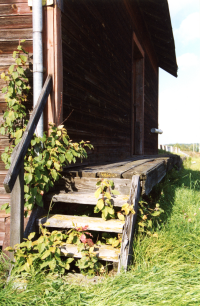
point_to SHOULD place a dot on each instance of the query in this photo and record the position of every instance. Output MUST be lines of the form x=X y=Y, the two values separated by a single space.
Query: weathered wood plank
x=94 y=224
x=111 y=170
x=14 y=9
x=85 y=184
x=17 y=211
x=7 y=60
x=13 y=1
x=15 y=34
x=153 y=177
x=16 y=22
x=19 y=153
x=9 y=46
x=120 y=172
x=143 y=169
x=85 y=198
x=129 y=226
x=104 y=252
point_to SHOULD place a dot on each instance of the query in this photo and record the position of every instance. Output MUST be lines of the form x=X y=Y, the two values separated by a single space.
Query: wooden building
x=104 y=57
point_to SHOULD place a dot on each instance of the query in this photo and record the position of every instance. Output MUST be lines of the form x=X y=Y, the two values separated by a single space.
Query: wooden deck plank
x=143 y=169
x=109 y=170
x=85 y=198
x=103 y=252
x=120 y=171
x=94 y=224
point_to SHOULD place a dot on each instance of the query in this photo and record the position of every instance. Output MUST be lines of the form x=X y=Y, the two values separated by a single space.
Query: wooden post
x=17 y=211
x=129 y=226
x=52 y=49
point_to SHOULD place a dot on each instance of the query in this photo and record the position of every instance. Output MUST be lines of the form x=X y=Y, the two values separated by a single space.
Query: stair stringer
x=129 y=226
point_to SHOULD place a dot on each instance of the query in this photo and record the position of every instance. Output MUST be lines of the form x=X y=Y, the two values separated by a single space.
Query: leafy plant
x=147 y=216
x=6 y=207
x=88 y=263
x=110 y=240
x=46 y=156
x=105 y=191
x=45 y=253
x=41 y=254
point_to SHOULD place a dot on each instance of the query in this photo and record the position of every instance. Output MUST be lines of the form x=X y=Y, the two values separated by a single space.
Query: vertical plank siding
x=96 y=75
x=97 y=50
x=15 y=24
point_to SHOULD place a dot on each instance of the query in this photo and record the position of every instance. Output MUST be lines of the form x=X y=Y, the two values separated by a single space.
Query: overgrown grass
x=165 y=267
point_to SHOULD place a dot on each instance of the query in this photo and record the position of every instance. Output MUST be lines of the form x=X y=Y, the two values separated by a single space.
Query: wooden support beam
x=17 y=211
x=129 y=226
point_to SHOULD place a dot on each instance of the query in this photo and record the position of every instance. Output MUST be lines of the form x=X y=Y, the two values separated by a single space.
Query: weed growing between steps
x=105 y=191
x=46 y=156
x=45 y=253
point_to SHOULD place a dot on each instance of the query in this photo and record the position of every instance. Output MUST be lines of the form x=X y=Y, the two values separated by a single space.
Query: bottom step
x=94 y=224
x=103 y=252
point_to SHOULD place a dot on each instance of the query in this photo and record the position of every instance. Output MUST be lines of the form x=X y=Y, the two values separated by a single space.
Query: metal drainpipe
x=37 y=58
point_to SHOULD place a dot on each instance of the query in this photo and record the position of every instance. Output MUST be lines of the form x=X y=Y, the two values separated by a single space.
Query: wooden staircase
x=131 y=178
x=81 y=192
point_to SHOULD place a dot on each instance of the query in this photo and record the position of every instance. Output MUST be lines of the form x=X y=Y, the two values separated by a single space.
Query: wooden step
x=94 y=224
x=87 y=184
x=85 y=198
x=103 y=252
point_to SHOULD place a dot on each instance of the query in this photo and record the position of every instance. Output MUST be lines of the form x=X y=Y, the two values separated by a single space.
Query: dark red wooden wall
x=97 y=51
x=15 y=24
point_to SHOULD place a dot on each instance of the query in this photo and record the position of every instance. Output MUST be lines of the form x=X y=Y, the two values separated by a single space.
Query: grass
x=165 y=268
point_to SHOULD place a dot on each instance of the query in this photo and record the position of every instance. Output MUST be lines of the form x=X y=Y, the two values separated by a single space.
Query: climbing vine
x=46 y=156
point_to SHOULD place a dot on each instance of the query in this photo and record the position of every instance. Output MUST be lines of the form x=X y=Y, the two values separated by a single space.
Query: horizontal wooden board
x=16 y=34
x=85 y=184
x=142 y=170
x=112 y=170
x=7 y=60
x=153 y=177
x=9 y=46
x=13 y=1
x=16 y=22
x=19 y=8
x=104 y=252
x=85 y=198
x=94 y=224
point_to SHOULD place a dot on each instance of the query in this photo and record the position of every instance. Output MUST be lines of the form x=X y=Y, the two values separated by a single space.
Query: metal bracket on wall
x=44 y=2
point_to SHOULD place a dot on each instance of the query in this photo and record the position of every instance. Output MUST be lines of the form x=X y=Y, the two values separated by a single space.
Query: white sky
x=179 y=98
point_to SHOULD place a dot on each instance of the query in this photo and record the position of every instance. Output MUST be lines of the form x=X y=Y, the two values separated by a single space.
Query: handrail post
x=17 y=211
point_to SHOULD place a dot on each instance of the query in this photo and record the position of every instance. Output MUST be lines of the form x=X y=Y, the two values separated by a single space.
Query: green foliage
x=147 y=217
x=105 y=191
x=44 y=161
x=46 y=156
x=88 y=263
x=104 y=203
x=45 y=253
x=6 y=207
x=111 y=239
x=41 y=254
